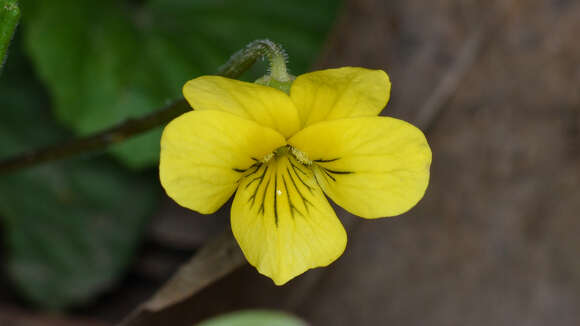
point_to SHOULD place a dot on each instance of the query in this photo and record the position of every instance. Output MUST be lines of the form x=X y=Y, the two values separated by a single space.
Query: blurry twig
x=450 y=81
x=238 y=64
x=470 y=51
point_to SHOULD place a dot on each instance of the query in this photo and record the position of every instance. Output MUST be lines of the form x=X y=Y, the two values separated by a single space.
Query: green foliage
x=9 y=18
x=70 y=229
x=106 y=61
x=254 y=318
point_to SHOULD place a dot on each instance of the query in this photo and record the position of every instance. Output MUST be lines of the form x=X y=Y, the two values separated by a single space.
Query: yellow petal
x=340 y=93
x=266 y=105
x=205 y=153
x=283 y=222
x=373 y=167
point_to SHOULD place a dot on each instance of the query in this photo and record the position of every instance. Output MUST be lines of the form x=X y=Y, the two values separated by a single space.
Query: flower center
x=287 y=149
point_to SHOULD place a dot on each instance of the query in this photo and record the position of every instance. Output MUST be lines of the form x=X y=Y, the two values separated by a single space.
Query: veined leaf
x=70 y=228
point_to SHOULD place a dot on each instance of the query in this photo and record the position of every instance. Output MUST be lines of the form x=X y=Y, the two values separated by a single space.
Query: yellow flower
x=280 y=154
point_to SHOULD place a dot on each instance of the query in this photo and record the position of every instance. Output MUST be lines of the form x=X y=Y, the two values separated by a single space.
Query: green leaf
x=254 y=318
x=106 y=61
x=70 y=229
x=9 y=18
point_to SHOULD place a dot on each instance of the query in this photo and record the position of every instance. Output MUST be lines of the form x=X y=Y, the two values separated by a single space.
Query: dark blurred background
x=495 y=241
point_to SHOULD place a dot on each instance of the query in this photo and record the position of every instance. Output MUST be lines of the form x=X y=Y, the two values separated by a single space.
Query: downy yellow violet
x=282 y=153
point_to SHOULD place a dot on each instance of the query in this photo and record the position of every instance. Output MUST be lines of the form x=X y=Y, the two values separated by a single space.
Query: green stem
x=236 y=65
x=254 y=50
x=9 y=18
x=278 y=68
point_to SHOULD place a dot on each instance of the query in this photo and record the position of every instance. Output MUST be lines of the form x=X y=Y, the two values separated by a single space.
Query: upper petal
x=283 y=222
x=340 y=93
x=373 y=166
x=205 y=153
x=266 y=105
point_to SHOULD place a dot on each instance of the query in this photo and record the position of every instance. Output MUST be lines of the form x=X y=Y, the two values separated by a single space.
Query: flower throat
x=287 y=149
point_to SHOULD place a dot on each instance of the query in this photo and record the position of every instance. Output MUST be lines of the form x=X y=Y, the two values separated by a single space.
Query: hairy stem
x=246 y=57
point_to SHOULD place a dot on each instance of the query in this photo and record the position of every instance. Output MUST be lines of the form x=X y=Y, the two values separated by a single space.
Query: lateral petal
x=267 y=106
x=373 y=166
x=283 y=222
x=205 y=153
x=340 y=93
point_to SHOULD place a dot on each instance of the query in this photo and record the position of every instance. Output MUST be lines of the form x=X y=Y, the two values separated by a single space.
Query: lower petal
x=283 y=222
